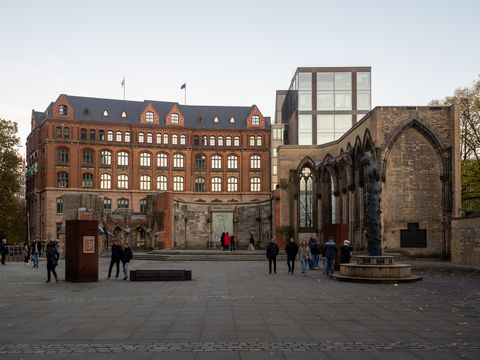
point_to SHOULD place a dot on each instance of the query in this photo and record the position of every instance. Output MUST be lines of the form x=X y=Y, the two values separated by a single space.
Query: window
x=58 y=132
x=122 y=203
x=162 y=160
x=118 y=136
x=306 y=198
x=304 y=91
x=62 y=156
x=255 y=184
x=255 y=162
x=159 y=138
x=143 y=206
x=109 y=135
x=200 y=184
x=277 y=134
x=149 y=138
x=92 y=135
x=232 y=162
x=183 y=140
x=87 y=157
x=62 y=179
x=144 y=182
x=165 y=139
x=343 y=91
x=174 y=139
x=215 y=119
x=236 y=141
x=305 y=130
x=149 y=116
x=216 y=184
x=325 y=91
x=107 y=204
x=105 y=112
x=259 y=141
x=204 y=140
x=200 y=162
x=127 y=136
x=161 y=183
x=196 y=140
x=274 y=169
x=363 y=91
x=177 y=183
x=255 y=120
x=141 y=137
x=83 y=134
x=216 y=162
x=66 y=133
x=101 y=135
x=174 y=118
x=220 y=141
x=122 y=181
x=105 y=181
x=105 y=157
x=59 y=205
x=124 y=114
x=232 y=184
x=274 y=152
x=87 y=181
x=212 y=140
x=228 y=141
x=178 y=161
x=251 y=140
x=63 y=110
x=145 y=159
x=122 y=158
x=232 y=120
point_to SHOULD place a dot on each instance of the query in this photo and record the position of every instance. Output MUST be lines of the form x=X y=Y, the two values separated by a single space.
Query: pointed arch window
x=306 y=198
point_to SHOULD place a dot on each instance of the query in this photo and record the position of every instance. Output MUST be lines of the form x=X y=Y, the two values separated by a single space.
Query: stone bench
x=160 y=275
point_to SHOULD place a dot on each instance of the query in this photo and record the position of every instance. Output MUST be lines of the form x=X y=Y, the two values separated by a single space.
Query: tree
x=468 y=101
x=12 y=209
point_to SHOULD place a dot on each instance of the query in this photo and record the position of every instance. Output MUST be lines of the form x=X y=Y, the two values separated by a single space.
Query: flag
x=123 y=82
x=184 y=86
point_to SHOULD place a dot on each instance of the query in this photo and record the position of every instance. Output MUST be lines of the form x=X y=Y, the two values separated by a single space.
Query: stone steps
x=205 y=255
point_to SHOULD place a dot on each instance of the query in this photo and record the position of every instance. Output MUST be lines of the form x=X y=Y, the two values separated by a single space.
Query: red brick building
x=125 y=150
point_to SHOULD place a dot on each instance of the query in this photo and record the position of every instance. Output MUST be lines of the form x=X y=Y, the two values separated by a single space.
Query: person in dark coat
x=3 y=250
x=52 y=255
x=291 y=250
x=115 y=258
x=330 y=252
x=127 y=255
x=251 y=243
x=345 y=252
x=272 y=252
x=26 y=252
x=222 y=241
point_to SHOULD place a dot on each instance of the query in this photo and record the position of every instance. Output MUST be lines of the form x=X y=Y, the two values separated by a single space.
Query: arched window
x=228 y=141
x=109 y=135
x=165 y=139
x=183 y=140
x=232 y=120
x=177 y=183
x=87 y=181
x=149 y=138
x=162 y=183
x=105 y=157
x=174 y=118
x=216 y=162
x=255 y=162
x=122 y=158
x=332 y=203
x=255 y=120
x=58 y=132
x=255 y=184
x=162 y=160
x=232 y=162
x=92 y=135
x=124 y=114
x=66 y=133
x=232 y=184
x=105 y=181
x=200 y=162
x=178 y=161
x=236 y=141
x=105 y=112
x=83 y=134
x=216 y=184
x=122 y=203
x=141 y=137
x=127 y=136
x=63 y=110
x=220 y=141
x=215 y=119
x=122 y=181
x=87 y=157
x=159 y=138
x=144 y=182
x=212 y=140
x=196 y=140
x=149 y=116
x=200 y=184
x=62 y=156
x=259 y=141
x=306 y=198
x=118 y=136
x=101 y=135
x=174 y=139
x=145 y=159
x=62 y=179
x=204 y=140
x=251 y=140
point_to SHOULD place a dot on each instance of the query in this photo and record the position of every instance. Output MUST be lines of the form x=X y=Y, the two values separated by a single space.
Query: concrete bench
x=160 y=275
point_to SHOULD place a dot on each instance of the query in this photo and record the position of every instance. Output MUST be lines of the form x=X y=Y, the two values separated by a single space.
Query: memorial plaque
x=89 y=244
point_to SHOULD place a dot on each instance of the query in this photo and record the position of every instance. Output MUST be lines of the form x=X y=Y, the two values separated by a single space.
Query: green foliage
x=12 y=210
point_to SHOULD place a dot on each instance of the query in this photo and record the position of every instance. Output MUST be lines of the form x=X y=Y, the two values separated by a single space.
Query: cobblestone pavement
x=236 y=310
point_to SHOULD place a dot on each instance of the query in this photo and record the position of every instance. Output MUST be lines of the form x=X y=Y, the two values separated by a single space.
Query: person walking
x=227 y=241
x=315 y=250
x=272 y=252
x=304 y=255
x=251 y=243
x=3 y=250
x=330 y=253
x=36 y=252
x=345 y=252
x=291 y=250
x=127 y=255
x=26 y=252
x=115 y=258
x=52 y=255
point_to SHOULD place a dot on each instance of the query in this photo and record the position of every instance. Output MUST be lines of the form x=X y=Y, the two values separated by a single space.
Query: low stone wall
x=465 y=244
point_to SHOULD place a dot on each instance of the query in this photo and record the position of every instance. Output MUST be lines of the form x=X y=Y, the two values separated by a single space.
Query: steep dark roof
x=39 y=117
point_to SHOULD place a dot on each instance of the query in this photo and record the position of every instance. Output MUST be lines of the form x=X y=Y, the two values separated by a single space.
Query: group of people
x=118 y=254
x=309 y=255
x=227 y=241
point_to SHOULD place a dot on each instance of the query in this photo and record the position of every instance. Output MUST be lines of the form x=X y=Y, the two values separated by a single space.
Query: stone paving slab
x=236 y=310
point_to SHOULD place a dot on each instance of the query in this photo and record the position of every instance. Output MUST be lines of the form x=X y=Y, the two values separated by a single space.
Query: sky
x=229 y=52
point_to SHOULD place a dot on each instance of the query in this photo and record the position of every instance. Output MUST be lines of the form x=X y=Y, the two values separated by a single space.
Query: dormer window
x=124 y=114
x=63 y=110
x=149 y=116
x=174 y=118
x=255 y=120
x=232 y=120
x=215 y=119
x=105 y=112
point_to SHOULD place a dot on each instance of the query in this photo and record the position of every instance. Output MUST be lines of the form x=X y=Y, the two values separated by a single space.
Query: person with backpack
x=126 y=257
x=291 y=250
x=51 y=252
x=330 y=253
x=272 y=252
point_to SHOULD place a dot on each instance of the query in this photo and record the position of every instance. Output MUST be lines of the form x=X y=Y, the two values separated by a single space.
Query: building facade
x=124 y=151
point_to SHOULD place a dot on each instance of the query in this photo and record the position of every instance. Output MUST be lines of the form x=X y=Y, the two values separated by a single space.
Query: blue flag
x=184 y=86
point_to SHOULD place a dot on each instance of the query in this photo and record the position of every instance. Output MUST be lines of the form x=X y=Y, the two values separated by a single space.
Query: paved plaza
x=236 y=310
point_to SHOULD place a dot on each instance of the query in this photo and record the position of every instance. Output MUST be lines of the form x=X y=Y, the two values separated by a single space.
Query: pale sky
x=229 y=52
